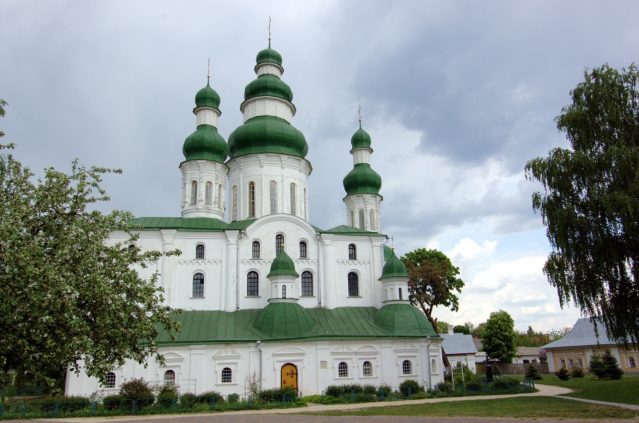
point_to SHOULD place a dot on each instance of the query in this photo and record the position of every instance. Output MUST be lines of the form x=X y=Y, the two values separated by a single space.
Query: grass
x=624 y=390
x=529 y=407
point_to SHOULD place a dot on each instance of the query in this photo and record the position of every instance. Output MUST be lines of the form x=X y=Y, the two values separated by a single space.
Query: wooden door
x=289 y=376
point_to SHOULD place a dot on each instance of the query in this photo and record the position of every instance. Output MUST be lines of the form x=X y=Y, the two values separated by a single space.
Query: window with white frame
x=251 y=199
x=342 y=369
x=352 y=252
x=199 y=251
x=407 y=367
x=227 y=375
x=303 y=249
x=193 y=193
x=273 y=196
x=208 y=194
x=433 y=365
x=110 y=380
x=255 y=250
x=367 y=369
x=283 y=291
x=198 y=285
x=307 y=284
x=293 y=199
x=279 y=243
x=218 y=198
x=371 y=219
x=169 y=377
x=252 y=284
x=353 y=284
x=234 y=203
x=362 y=221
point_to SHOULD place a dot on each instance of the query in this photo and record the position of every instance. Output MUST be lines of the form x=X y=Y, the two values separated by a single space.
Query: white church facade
x=266 y=296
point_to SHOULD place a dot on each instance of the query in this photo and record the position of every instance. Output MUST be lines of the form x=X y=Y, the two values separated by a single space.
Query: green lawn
x=625 y=390
x=530 y=407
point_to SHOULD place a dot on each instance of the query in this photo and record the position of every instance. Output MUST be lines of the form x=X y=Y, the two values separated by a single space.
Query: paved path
x=275 y=415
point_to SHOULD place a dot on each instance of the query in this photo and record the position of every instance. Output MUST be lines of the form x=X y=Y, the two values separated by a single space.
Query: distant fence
x=513 y=368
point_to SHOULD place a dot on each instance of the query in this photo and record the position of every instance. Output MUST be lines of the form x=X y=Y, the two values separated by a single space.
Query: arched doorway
x=289 y=376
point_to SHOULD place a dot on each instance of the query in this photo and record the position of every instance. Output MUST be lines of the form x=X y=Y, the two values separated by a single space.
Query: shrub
x=384 y=391
x=410 y=387
x=210 y=397
x=369 y=389
x=577 y=372
x=188 y=400
x=167 y=396
x=341 y=390
x=562 y=374
x=597 y=366
x=445 y=387
x=61 y=404
x=532 y=372
x=114 y=402
x=233 y=398
x=505 y=383
x=473 y=386
x=612 y=368
x=139 y=391
x=278 y=394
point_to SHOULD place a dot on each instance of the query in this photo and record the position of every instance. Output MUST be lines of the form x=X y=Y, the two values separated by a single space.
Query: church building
x=267 y=297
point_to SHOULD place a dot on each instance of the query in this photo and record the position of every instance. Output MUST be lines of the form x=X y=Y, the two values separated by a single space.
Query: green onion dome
x=205 y=144
x=207 y=97
x=362 y=180
x=361 y=139
x=394 y=268
x=282 y=266
x=268 y=55
x=284 y=321
x=268 y=85
x=403 y=320
x=267 y=134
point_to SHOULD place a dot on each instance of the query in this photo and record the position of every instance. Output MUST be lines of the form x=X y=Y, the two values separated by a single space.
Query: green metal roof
x=361 y=139
x=268 y=85
x=388 y=251
x=286 y=321
x=348 y=230
x=267 y=134
x=207 y=97
x=362 y=180
x=282 y=266
x=268 y=55
x=205 y=144
x=188 y=224
x=394 y=268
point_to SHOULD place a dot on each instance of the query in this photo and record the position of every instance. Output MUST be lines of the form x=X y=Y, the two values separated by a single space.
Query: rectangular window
x=273 y=196
x=251 y=199
x=293 y=199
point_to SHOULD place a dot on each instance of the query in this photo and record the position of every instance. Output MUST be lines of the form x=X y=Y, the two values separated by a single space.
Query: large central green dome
x=267 y=134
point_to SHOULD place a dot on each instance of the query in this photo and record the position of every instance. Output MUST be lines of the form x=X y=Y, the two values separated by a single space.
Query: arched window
x=352 y=219
x=283 y=291
x=273 y=196
x=433 y=365
x=353 y=285
x=293 y=199
x=252 y=284
x=407 y=367
x=251 y=199
x=400 y=294
x=110 y=380
x=208 y=194
x=198 y=285
x=234 y=203
x=255 y=250
x=199 y=251
x=218 y=196
x=279 y=243
x=371 y=220
x=193 y=193
x=169 y=377
x=307 y=284
x=302 y=249
x=362 y=222
x=352 y=252
x=367 y=369
x=227 y=375
x=342 y=369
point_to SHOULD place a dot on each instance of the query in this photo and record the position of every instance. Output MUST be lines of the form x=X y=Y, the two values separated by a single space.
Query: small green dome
x=267 y=134
x=268 y=55
x=361 y=139
x=207 y=97
x=284 y=320
x=403 y=320
x=268 y=85
x=394 y=268
x=205 y=144
x=362 y=180
x=282 y=266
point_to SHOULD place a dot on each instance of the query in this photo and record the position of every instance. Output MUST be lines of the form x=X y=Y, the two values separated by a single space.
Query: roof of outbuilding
x=458 y=343
x=583 y=334
x=214 y=326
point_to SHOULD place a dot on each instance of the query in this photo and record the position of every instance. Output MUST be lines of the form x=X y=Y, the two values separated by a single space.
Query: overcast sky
x=457 y=96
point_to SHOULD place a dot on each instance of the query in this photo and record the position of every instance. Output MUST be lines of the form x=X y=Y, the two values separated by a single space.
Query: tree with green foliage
x=462 y=329
x=2 y=112
x=498 y=337
x=433 y=281
x=605 y=367
x=590 y=202
x=68 y=299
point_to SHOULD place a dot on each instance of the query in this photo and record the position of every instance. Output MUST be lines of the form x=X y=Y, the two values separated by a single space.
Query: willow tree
x=590 y=201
